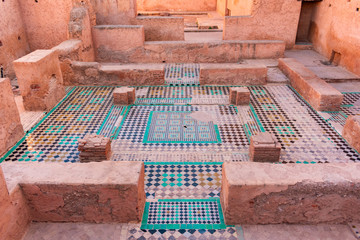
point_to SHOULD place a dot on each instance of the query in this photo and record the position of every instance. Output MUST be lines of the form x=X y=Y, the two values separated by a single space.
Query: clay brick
x=124 y=96
x=351 y=132
x=239 y=96
x=94 y=148
x=40 y=80
x=264 y=148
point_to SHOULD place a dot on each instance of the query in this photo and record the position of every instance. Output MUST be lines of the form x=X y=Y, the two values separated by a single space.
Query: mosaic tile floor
x=188 y=133
x=183 y=134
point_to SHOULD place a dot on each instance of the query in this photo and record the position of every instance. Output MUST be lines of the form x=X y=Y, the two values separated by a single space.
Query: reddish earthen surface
x=351 y=131
x=46 y=22
x=96 y=74
x=321 y=95
x=94 y=148
x=81 y=192
x=264 y=193
x=11 y=130
x=162 y=28
x=176 y=5
x=15 y=214
x=118 y=37
x=13 y=39
x=264 y=22
x=40 y=80
x=70 y=50
x=194 y=52
x=264 y=148
x=232 y=74
x=80 y=28
x=334 y=28
x=114 y=11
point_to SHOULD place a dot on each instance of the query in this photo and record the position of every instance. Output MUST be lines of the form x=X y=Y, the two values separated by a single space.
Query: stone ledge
x=321 y=95
x=80 y=192
x=262 y=193
x=232 y=74
x=110 y=74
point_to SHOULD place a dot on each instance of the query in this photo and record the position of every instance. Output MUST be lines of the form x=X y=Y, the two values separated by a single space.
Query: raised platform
x=232 y=74
x=321 y=95
x=194 y=52
x=107 y=74
x=260 y=193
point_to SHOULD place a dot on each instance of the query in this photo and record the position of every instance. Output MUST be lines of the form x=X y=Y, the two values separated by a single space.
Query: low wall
x=96 y=74
x=118 y=37
x=176 y=5
x=15 y=214
x=269 y=20
x=320 y=95
x=261 y=193
x=194 y=52
x=103 y=192
x=40 y=80
x=232 y=74
x=162 y=28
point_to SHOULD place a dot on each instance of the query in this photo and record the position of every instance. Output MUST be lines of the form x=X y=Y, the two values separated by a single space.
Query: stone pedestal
x=124 y=96
x=40 y=80
x=264 y=148
x=11 y=129
x=351 y=132
x=239 y=96
x=94 y=148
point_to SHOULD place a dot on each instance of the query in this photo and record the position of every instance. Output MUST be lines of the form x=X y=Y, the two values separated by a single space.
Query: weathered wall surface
x=176 y=5
x=261 y=193
x=15 y=214
x=270 y=20
x=162 y=28
x=220 y=7
x=13 y=39
x=240 y=7
x=114 y=11
x=335 y=27
x=118 y=37
x=46 y=22
x=193 y=52
x=11 y=129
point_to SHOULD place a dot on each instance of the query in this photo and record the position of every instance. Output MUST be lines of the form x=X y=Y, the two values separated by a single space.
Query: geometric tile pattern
x=182 y=74
x=134 y=128
x=304 y=135
x=55 y=139
x=183 y=214
x=111 y=122
x=179 y=127
x=229 y=233
x=179 y=180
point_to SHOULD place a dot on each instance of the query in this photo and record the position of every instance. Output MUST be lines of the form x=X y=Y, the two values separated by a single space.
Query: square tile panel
x=183 y=214
x=179 y=127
